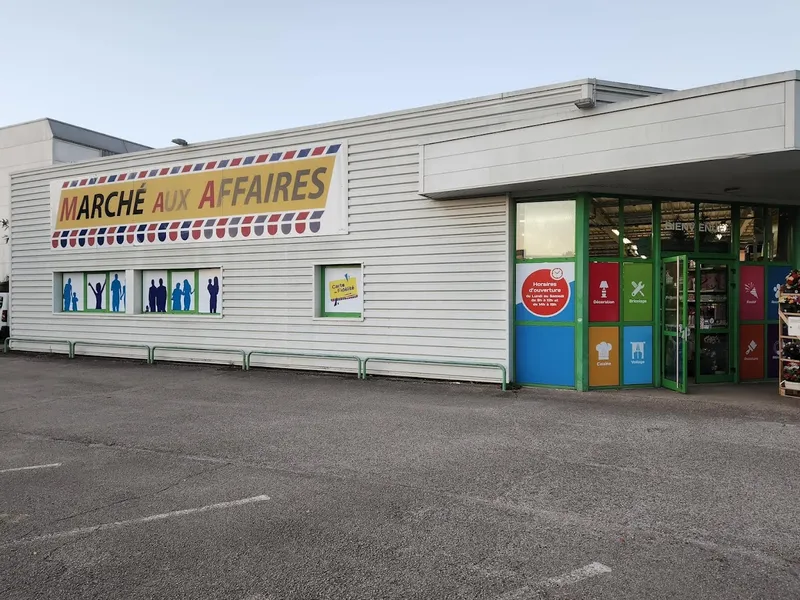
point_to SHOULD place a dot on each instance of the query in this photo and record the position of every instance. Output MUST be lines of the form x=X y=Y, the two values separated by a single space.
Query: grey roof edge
x=23 y=123
x=321 y=127
x=403 y=111
x=94 y=139
x=633 y=103
x=631 y=87
x=708 y=90
x=658 y=95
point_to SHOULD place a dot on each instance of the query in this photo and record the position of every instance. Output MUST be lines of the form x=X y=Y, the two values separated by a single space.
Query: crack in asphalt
x=140 y=496
x=124 y=500
x=83 y=441
x=32 y=404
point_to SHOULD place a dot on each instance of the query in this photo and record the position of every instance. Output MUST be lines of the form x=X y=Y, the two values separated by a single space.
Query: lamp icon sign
x=604 y=289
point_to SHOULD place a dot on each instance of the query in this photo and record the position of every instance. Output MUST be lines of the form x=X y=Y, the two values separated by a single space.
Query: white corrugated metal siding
x=435 y=273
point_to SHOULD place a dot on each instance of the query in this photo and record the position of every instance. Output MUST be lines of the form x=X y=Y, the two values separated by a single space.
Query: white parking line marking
x=590 y=570
x=577 y=575
x=150 y=519
x=49 y=466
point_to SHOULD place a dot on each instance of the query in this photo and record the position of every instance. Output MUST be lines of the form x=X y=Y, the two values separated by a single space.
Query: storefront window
x=546 y=229
x=638 y=228
x=779 y=228
x=677 y=227
x=604 y=228
x=714 y=228
x=751 y=233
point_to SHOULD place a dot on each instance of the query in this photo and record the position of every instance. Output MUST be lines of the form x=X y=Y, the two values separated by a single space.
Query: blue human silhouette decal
x=74 y=300
x=161 y=297
x=98 y=294
x=177 y=296
x=116 y=293
x=152 y=296
x=124 y=298
x=213 y=294
x=67 y=294
x=187 y=295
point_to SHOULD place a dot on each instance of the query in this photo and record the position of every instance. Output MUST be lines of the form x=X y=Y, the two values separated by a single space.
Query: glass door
x=709 y=304
x=674 y=323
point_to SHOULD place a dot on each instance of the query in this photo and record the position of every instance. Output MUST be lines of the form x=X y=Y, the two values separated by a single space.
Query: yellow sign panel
x=343 y=289
x=295 y=185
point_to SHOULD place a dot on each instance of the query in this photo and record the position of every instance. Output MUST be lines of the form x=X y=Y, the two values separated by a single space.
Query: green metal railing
x=432 y=361
x=247 y=356
x=8 y=340
x=306 y=355
x=195 y=349
x=115 y=345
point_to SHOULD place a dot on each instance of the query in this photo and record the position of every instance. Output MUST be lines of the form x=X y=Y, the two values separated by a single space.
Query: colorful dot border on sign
x=209 y=165
x=238 y=227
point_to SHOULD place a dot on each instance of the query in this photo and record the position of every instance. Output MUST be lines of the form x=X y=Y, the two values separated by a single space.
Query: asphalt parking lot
x=195 y=482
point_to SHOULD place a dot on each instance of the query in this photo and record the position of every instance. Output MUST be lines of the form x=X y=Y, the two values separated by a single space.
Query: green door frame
x=729 y=330
x=582 y=208
x=579 y=324
x=680 y=320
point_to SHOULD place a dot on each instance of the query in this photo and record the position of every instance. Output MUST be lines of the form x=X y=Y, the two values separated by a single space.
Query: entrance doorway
x=696 y=330
x=710 y=316
x=674 y=323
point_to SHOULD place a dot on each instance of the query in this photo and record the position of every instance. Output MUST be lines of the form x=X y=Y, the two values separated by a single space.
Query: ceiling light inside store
x=615 y=231
x=643 y=257
x=626 y=240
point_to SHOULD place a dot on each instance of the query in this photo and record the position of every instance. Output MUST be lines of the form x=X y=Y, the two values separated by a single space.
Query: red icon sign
x=751 y=293
x=545 y=292
x=751 y=352
x=603 y=292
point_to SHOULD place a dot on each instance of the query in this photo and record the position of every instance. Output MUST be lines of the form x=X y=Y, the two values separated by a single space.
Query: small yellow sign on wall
x=343 y=289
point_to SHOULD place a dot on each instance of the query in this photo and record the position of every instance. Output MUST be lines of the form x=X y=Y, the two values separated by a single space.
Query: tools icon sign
x=638 y=288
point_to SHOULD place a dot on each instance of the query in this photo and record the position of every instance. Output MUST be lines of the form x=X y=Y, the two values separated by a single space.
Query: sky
x=153 y=70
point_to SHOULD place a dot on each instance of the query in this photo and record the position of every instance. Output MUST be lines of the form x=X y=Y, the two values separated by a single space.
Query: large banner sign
x=294 y=192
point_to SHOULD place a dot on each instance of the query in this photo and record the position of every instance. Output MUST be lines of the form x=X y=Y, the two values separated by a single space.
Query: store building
x=583 y=235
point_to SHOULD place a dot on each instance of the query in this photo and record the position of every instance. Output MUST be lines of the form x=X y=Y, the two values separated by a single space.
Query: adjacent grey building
x=42 y=143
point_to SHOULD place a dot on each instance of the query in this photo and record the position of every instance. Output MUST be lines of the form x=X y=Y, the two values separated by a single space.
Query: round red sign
x=545 y=292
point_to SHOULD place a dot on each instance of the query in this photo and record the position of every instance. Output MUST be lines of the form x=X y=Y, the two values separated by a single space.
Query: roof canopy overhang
x=735 y=141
